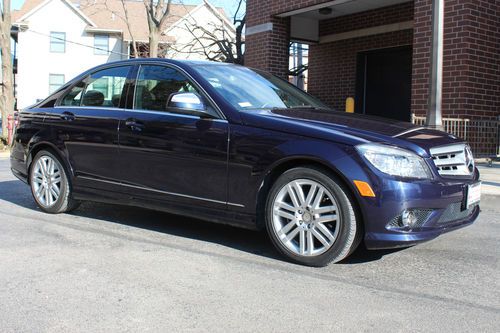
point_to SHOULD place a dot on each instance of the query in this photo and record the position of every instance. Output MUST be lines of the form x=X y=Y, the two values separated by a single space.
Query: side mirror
x=186 y=100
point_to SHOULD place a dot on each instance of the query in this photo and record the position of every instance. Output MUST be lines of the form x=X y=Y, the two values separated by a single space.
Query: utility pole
x=434 y=113
x=6 y=71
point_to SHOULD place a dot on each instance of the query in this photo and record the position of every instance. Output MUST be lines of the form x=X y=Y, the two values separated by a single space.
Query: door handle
x=134 y=125
x=67 y=116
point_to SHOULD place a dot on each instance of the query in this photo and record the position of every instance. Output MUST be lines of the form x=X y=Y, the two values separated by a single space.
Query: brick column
x=470 y=62
x=422 y=43
x=269 y=50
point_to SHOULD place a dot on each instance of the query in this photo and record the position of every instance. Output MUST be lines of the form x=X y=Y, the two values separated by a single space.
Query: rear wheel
x=310 y=217
x=50 y=184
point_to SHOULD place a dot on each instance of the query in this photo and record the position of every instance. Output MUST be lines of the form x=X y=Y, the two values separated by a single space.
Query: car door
x=172 y=154
x=85 y=124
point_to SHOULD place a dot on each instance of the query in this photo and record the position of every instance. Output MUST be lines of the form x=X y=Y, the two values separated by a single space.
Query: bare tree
x=7 y=98
x=157 y=11
x=239 y=23
x=126 y=18
x=215 y=41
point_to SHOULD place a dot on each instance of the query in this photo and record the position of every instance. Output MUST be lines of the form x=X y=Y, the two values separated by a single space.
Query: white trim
x=190 y=13
x=256 y=29
x=67 y=2
x=147 y=41
x=310 y=8
x=381 y=29
x=182 y=18
x=217 y=13
x=34 y=10
x=103 y=30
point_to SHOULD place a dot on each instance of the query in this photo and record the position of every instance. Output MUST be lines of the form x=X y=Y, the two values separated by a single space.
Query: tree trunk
x=134 y=49
x=7 y=98
x=129 y=28
x=157 y=12
x=153 y=42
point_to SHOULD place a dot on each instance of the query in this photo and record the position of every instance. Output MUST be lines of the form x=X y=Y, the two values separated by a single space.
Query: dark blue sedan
x=239 y=146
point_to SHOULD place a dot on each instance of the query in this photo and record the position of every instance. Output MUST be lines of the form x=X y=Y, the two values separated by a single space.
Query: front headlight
x=395 y=161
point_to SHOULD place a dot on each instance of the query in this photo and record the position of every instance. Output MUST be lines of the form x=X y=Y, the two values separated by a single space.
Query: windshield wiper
x=303 y=107
x=294 y=107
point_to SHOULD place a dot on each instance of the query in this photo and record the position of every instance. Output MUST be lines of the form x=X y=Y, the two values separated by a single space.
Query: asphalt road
x=110 y=268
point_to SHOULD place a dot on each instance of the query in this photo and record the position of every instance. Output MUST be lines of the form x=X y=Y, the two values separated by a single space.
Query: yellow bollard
x=349 y=105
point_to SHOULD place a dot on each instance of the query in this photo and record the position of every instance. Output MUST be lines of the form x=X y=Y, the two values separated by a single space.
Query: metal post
x=300 y=77
x=434 y=114
x=294 y=65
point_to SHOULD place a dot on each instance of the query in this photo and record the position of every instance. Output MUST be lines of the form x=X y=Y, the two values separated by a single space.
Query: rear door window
x=101 y=89
x=74 y=96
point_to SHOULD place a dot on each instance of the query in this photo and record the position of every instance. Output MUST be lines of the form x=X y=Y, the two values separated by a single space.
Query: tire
x=316 y=227
x=47 y=174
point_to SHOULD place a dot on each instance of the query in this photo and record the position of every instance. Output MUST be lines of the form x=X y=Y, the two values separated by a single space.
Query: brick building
x=380 y=53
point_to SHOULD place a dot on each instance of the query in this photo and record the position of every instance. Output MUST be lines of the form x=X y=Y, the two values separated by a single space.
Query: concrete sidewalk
x=490 y=175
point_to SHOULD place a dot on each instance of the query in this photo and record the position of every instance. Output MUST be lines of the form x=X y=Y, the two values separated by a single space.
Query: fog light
x=408 y=218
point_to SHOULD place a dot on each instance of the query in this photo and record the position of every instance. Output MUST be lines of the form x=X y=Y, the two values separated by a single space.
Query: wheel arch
x=44 y=145
x=303 y=161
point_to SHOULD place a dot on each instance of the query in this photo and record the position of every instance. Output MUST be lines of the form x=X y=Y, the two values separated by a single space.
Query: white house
x=197 y=33
x=58 y=39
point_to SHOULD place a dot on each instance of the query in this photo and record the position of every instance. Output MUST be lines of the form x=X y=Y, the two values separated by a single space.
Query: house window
x=101 y=44
x=55 y=82
x=57 y=42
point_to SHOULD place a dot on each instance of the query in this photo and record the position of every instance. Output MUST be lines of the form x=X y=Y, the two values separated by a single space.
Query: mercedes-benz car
x=235 y=145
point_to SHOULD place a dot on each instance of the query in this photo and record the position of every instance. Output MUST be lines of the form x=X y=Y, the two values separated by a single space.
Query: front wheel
x=310 y=217
x=50 y=185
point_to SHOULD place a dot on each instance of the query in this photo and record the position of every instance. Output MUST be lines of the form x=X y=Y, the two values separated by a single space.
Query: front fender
x=341 y=160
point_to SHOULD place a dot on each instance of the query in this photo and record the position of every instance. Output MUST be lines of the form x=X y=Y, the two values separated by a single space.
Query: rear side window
x=74 y=96
x=101 y=89
x=155 y=84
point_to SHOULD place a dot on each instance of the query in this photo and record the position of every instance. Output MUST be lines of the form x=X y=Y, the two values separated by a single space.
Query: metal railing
x=483 y=135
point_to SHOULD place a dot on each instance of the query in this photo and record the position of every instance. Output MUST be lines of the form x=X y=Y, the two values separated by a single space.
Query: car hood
x=349 y=128
x=350 y=120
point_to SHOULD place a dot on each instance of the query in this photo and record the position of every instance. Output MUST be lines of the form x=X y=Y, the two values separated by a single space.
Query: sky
x=228 y=5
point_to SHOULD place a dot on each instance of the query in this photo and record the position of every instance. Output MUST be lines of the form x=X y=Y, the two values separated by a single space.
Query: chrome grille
x=455 y=213
x=453 y=160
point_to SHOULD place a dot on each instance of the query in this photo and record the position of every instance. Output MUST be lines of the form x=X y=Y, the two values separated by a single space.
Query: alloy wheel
x=305 y=217
x=46 y=181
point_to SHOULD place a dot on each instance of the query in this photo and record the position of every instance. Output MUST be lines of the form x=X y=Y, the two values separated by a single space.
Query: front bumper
x=441 y=201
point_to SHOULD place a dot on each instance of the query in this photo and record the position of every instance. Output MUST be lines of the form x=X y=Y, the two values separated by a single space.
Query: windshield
x=247 y=89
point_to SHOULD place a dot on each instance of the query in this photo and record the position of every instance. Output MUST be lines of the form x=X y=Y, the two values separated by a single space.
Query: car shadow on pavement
x=255 y=242
x=363 y=255
x=237 y=238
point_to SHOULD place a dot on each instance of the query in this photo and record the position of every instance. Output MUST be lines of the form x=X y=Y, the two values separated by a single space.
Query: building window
x=101 y=44
x=55 y=82
x=58 y=42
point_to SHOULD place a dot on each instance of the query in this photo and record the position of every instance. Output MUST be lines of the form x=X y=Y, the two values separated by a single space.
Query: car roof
x=167 y=61
x=180 y=63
